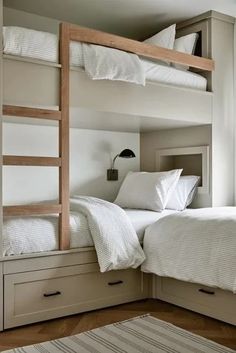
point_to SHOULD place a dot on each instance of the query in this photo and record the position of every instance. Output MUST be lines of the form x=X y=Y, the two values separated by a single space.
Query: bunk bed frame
x=78 y=268
x=69 y=33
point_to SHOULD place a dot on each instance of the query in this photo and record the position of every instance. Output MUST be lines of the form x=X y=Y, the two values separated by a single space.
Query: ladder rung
x=32 y=161
x=27 y=210
x=13 y=110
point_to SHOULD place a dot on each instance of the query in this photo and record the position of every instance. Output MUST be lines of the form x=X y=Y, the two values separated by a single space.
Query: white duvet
x=93 y=222
x=115 y=240
x=195 y=246
x=31 y=234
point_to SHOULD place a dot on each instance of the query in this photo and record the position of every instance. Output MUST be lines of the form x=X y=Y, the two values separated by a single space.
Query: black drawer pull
x=52 y=294
x=114 y=283
x=206 y=291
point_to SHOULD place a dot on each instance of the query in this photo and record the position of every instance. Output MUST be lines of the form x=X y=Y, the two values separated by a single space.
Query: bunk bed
x=25 y=291
x=69 y=33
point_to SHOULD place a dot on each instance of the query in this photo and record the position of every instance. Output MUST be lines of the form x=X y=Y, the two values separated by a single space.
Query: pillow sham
x=185 y=44
x=148 y=191
x=184 y=192
x=164 y=39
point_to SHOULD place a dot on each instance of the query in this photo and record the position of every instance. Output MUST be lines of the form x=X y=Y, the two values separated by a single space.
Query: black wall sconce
x=112 y=174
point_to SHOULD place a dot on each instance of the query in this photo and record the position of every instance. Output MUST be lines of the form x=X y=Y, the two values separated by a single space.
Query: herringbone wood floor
x=212 y=329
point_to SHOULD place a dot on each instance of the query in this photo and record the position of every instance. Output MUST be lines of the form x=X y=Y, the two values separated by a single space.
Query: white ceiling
x=132 y=18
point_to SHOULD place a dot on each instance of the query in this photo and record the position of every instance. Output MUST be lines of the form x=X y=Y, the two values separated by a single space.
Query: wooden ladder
x=62 y=162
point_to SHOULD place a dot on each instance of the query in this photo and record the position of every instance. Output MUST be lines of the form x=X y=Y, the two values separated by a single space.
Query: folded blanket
x=103 y=63
x=114 y=237
x=195 y=246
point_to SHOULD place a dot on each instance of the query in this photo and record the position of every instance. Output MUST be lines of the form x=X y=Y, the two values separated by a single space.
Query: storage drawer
x=41 y=295
x=214 y=302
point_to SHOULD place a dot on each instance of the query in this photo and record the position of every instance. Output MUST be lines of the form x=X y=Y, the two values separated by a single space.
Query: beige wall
x=187 y=137
x=91 y=152
x=12 y=17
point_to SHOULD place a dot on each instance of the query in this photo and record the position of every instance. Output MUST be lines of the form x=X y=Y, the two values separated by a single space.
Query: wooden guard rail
x=29 y=210
x=76 y=33
x=87 y=35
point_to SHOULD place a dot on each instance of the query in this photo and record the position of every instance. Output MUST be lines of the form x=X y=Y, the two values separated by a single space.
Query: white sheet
x=141 y=219
x=172 y=76
x=25 y=235
x=116 y=243
x=194 y=246
x=41 y=45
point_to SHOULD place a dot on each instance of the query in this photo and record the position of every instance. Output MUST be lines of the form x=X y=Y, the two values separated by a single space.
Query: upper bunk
x=171 y=97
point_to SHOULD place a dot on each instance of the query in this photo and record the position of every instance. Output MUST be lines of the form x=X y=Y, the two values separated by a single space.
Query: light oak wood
x=31 y=161
x=87 y=35
x=64 y=188
x=12 y=110
x=27 y=210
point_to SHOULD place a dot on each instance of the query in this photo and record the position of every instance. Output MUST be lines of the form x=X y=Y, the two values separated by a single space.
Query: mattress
x=44 y=46
x=24 y=235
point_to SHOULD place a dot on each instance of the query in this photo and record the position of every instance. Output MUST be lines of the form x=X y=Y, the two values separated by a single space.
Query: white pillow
x=164 y=39
x=185 y=44
x=148 y=191
x=184 y=192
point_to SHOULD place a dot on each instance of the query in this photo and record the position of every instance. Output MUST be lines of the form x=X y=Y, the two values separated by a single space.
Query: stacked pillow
x=184 y=193
x=157 y=191
x=166 y=39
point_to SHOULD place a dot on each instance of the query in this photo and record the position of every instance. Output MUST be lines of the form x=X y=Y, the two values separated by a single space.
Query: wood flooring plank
x=215 y=330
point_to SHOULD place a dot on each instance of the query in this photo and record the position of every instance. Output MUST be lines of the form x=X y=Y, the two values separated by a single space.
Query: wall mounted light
x=112 y=174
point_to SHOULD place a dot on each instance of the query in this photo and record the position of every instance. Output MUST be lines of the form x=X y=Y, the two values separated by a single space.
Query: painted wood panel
x=139 y=105
x=41 y=295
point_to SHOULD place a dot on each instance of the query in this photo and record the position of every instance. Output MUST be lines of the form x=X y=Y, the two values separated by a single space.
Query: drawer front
x=214 y=302
x=42 y=295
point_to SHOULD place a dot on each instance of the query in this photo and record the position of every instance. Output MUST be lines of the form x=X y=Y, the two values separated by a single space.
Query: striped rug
x=144 y=334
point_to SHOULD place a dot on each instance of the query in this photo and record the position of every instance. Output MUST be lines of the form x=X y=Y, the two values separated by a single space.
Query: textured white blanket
x=115 y=239
x=195 y=246
x=103 y=63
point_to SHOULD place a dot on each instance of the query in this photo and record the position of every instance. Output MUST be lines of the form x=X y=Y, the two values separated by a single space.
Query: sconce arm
x=113 y=162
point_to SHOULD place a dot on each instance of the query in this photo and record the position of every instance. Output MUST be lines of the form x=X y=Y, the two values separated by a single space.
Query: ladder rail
x=62 y=162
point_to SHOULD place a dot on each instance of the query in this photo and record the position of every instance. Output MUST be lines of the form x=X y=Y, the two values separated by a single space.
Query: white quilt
x=103 y=63
x=115 y=239
x=195 y=246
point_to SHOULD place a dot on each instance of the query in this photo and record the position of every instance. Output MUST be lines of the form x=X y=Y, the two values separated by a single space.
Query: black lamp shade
x=127 y=153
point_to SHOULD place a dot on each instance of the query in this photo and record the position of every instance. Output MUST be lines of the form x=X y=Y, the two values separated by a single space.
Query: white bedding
x=41 y=45
x=25 y=235
x=194 y=246
x=115 y=240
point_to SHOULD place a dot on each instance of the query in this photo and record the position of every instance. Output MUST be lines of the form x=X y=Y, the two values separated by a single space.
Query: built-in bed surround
x=22 y=42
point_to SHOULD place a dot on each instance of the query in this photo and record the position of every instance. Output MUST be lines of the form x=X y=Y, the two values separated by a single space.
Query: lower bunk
x=180 y=250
